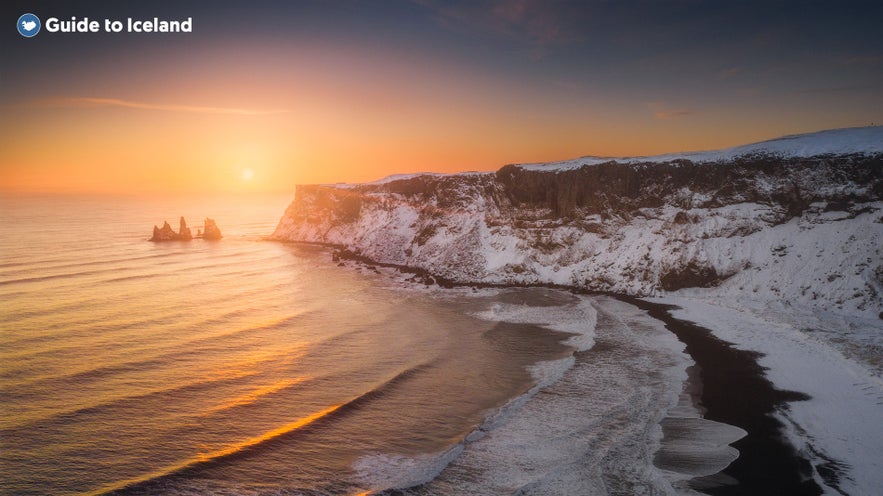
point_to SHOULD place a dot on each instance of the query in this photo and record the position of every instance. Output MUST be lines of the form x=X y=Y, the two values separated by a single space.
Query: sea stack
x=164 y=234
x=184 y=233
x=210 y=230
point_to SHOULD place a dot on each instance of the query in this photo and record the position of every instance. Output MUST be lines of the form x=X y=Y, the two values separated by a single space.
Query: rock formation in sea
x=210 y=230
x=184 y=233
x=166 y=233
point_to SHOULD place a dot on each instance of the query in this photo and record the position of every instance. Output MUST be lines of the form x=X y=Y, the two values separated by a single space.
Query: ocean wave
x=38 y=265
x=255 y=395
x=265 y=440
x=27 y=349
x=50 y=277
x=387 y=471
x=232 y=450
x=382 y=471
x=578 y=318
x=96 y=410
x=589 y=426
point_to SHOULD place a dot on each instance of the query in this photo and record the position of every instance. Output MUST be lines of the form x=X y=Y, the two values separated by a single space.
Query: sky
x=263 y=95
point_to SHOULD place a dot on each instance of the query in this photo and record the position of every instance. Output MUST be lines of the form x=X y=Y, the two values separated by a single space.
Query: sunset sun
x=247 y=174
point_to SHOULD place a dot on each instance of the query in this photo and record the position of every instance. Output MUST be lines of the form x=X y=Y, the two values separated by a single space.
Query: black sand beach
x=735 y=391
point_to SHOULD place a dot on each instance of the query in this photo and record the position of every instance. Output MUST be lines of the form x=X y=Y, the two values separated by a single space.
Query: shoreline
x=733 y=389
x=736 y=391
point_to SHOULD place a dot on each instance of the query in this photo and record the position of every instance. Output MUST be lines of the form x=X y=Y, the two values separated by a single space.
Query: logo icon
x=28 y=25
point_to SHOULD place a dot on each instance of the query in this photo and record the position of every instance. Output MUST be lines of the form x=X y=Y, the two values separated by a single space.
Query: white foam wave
x=592 y=430
x=578 y=318
x=386 y=471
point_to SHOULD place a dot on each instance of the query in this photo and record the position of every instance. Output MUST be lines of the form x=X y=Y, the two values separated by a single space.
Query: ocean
x=249 y=367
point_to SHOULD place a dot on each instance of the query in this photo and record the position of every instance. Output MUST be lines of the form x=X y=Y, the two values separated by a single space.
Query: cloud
x=115 y=102
x=675 y=114
x=729 y=73
x=855 y=88
x=664 y=111
x=860 y=60
x=538 y=24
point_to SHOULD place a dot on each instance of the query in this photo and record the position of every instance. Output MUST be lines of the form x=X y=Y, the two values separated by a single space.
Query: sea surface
x=244 y=366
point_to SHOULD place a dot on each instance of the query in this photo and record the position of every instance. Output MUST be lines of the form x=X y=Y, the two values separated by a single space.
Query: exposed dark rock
x=166 y=233
x=623 y=187
x=424 y=234
x=690 y=276
x=681 y=218
x=210 y=230
x=184 y=233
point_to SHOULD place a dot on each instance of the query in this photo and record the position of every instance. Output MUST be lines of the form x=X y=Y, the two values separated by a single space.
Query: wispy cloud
x=115 y=102
x=871 y=60
x=855 y=88
x=675 y=114
x=538 y=24
x=729 y=73
x=663 y=111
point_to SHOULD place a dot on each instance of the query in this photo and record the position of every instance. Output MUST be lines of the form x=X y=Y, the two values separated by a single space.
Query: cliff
x=794 y=221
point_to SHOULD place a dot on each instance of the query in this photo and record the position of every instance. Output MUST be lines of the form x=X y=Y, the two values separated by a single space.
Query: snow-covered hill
x=776 y=247
x=793 y=224
x=864 y=140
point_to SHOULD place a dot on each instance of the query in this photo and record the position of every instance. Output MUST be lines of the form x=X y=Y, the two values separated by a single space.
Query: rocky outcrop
x=790 y=184
x=166 y=233
x=210 y=230
x=184 y=233
x=772 y=223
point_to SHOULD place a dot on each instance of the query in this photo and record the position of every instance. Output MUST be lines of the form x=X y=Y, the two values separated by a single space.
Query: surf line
x=215 y=455
x=735 y=390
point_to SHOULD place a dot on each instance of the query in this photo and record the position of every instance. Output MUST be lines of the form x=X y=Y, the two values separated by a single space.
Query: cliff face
x=768 y=224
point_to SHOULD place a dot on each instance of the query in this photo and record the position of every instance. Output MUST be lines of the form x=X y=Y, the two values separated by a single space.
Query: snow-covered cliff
x=795 y=222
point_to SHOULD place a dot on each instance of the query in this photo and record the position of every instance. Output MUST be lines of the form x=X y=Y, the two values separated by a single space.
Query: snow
x=862 y=140
x=842 y=421
x=805 y=288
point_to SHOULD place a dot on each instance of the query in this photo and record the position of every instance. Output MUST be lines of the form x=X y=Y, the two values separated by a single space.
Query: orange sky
x=223 y=139
x=226 y=113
